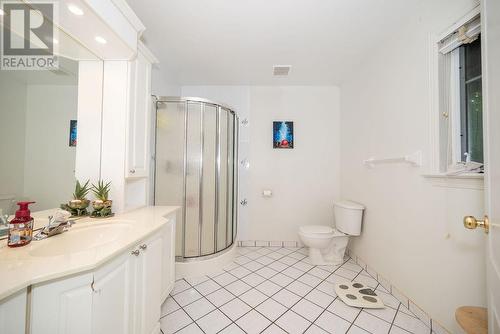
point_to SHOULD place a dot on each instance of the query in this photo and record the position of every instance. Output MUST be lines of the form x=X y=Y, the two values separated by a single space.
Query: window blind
x=466 y=33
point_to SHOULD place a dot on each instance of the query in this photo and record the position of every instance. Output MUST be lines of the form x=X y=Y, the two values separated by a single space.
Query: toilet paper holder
x=267 y=193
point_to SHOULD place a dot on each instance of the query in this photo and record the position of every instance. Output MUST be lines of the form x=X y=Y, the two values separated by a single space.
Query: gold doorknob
x=472 y=223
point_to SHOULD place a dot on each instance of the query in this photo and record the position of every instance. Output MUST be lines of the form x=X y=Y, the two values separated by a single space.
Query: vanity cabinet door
x=148 y=298
x=168 y=260
x=112 y=296
x=63 y=306
x=138 y=117
x=13 y=313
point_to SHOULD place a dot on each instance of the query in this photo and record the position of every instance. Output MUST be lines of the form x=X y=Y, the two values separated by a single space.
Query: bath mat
x=358 y=295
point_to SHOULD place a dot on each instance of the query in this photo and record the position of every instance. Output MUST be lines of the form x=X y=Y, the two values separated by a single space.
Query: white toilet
x=327 y=244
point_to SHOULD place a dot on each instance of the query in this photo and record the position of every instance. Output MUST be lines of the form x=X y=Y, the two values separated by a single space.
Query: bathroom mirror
x=50 y=127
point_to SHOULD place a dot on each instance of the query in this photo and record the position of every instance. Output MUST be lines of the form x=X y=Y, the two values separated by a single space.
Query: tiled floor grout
x=282 y=288
x=301 y=297
x=252 y=308
x=394 y=318
x=254 y=272
x=290 y=263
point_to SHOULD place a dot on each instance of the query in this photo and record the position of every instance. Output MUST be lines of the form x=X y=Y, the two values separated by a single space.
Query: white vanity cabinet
x=127 y=292
x=113 y=296
x=122 y=296
x=168 y=262
x=13 y=314
x=63 y=306
x=138 y=130
x=148 y=297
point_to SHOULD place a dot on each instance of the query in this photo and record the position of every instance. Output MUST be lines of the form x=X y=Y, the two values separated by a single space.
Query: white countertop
x=20 y=267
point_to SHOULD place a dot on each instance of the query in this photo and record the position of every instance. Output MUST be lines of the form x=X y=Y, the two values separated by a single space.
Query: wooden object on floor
x=473 y=320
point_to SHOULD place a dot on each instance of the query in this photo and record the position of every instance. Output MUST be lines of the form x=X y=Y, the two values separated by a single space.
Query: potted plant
x=78 y=205
x=102 y=203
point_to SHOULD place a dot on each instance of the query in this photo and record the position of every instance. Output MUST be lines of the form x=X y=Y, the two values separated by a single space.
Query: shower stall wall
x=196 y=155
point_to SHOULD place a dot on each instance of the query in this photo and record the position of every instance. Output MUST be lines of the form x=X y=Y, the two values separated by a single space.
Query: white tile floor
x=276 y=290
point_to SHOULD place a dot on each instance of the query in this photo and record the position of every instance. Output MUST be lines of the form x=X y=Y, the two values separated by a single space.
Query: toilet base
x=333 y=254
x=317 y=259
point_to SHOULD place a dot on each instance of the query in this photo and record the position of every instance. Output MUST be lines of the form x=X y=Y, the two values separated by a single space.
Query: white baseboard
x=432 y=324
x=267 y=243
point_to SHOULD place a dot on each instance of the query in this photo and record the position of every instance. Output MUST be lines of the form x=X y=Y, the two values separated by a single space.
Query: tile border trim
x=266 y=243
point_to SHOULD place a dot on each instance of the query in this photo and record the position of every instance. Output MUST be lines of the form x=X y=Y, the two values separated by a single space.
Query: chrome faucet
x=55 y=226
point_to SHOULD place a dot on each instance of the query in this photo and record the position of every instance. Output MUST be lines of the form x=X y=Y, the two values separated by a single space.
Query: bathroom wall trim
x=265 y=243
x=456 y=181
x=434 y=326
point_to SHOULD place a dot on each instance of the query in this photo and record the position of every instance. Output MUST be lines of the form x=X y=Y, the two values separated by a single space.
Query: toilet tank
x=348 y=217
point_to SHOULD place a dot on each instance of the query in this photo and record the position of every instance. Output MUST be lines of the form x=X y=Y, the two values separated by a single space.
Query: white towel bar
x=414 y=159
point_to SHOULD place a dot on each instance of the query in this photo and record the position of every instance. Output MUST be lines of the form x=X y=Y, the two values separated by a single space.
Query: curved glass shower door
x=196 y=150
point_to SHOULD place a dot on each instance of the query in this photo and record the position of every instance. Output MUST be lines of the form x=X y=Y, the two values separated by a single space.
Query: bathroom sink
x=79 y=239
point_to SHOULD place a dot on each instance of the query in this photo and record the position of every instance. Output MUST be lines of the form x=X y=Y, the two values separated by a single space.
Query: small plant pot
x=79 y=204
x=99 y=204
x=102 y=208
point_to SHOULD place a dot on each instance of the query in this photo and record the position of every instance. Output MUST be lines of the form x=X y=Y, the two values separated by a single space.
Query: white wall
x=163 y=84
x=12 y=133
x=305 y=180
x=49 y=160
x=412 y=233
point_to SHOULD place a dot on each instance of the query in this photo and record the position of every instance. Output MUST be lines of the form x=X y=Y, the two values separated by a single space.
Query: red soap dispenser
x=21 y=227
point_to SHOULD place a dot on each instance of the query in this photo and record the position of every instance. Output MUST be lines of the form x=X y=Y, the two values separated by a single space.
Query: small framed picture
x=283 y=134
x=72 y=132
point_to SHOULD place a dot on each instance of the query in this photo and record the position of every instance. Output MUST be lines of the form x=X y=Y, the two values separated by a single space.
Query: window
x=460 y=98
x=471 y=106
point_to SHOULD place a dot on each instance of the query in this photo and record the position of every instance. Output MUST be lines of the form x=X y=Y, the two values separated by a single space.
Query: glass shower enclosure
x=196 y=168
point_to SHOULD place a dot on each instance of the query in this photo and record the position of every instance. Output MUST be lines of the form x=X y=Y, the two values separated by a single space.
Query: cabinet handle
x=135 y=252
x=132 y=171
x=143 y=246
x=94 y=290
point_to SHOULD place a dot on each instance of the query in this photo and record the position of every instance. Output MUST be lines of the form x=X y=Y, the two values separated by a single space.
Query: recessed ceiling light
x=75 y=10
x=2 y=13
x=100 y=39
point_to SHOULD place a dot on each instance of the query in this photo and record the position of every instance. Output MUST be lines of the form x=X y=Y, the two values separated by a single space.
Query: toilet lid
x=316 y=229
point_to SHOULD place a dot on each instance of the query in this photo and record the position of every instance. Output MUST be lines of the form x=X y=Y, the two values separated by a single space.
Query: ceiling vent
x=281 y=70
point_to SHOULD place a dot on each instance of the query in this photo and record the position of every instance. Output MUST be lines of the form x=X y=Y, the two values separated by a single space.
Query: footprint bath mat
x=357 y=295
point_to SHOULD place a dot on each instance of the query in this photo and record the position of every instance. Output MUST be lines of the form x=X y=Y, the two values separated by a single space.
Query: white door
x=13 y=313
x=149 y=286
x=490 y=13
x=66 y=302
x=138 y=119
x=112 y=303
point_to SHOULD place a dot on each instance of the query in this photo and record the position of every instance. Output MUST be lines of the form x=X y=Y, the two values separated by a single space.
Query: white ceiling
x=237 y=42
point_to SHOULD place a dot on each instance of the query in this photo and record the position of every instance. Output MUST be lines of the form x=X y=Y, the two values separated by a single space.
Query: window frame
x=435 y=168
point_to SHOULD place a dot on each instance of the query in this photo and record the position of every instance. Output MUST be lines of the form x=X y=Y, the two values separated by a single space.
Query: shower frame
x=221 y=107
